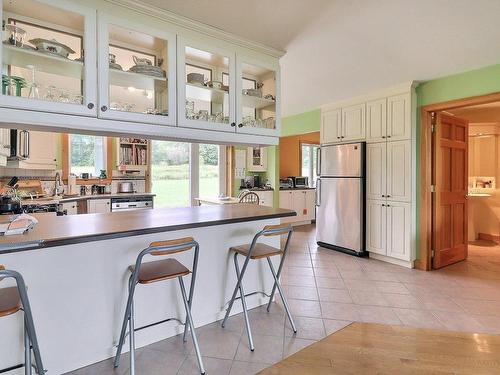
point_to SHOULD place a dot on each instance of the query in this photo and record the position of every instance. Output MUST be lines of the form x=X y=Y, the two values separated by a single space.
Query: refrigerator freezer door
x=342 y=160
x=340 y=219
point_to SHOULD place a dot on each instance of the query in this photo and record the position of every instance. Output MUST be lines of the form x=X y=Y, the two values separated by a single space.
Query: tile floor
x=327 y=290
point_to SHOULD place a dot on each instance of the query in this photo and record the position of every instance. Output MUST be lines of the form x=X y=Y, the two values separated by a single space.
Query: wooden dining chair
x=250 y=197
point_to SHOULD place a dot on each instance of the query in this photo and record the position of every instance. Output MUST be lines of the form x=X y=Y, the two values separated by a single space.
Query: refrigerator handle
x=318 y=193
x=318 y=161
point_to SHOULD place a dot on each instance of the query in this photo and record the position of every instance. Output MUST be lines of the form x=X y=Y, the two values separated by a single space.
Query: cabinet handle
x=233 y=124
x=90 y=105
x=240 y=125
x=104 y=108
x=383 y=136
x=388 y=136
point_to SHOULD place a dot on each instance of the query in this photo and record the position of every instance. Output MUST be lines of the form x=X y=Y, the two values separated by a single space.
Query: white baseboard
x=398 y=262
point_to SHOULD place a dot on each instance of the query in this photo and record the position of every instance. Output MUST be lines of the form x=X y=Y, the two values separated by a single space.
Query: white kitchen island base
x=78 y=293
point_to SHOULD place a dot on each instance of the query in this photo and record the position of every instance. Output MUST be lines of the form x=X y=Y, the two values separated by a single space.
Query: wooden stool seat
x=260 y=250
x=10 y=301
x=159 y=270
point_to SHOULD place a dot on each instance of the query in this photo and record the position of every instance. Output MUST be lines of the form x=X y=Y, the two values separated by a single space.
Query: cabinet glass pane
x=137 y=72
x=258 y=97
x=207 y=96
x=42 y=52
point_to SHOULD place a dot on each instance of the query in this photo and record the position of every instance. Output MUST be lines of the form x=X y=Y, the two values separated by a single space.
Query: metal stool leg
x=27 y=350
x=190 y=301
x=29 y=325
x=126 y=319
x=244 y=303
x=236 y=289
x=132 y=339
x=285 y=303
x=189 y=319
x=280 y=268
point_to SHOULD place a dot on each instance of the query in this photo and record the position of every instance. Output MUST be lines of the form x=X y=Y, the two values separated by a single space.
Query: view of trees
x=177 y=153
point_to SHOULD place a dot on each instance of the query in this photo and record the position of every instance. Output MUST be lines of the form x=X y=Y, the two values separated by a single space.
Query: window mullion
x=194 y=172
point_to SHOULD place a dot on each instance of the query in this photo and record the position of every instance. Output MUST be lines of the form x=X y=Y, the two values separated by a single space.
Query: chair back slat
x=163 y=246
x=250 y=197
x=276 y=230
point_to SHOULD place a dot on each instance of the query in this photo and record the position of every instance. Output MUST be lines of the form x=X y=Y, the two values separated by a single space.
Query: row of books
x=133 y=155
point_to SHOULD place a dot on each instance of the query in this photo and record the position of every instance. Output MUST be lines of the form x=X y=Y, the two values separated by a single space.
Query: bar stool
x=12 y=300
x=151 y=272
x=257 y=251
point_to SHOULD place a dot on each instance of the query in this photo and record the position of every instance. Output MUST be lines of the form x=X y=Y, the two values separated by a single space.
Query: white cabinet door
x=331 y=126
x=376 y=227
x=299 y=204
x=310 y=204
x=376 y=170
x=399 y=171
x=265 y=198
x=286 y=203
x=398 y=230
x=5 y=142
x=75 y=76
x=353 y=123
x=98 y=206
x=42 y=151
x=376 y=120
x=256 y=159
x=71 y=208
x=399 y=117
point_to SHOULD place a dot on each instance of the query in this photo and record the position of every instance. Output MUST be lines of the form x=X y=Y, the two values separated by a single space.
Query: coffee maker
x=251 y=182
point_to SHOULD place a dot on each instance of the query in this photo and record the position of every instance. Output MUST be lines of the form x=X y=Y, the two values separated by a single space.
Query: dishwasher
x=131 y=204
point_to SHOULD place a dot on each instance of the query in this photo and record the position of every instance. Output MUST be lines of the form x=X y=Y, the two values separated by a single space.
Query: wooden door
x=376 y=120
x=450 y=171
x=376 y=227
x=399 y=171
x=376 y=170
x=331 y=127
x=353 y=123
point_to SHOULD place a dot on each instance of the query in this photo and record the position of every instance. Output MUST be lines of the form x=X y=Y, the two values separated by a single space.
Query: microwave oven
x=300 y=181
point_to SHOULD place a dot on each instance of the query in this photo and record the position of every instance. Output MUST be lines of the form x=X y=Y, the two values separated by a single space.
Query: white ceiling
x=337 y=49
x=271 y=22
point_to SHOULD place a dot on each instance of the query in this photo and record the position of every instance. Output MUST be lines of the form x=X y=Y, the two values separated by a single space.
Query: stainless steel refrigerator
x=340 y=198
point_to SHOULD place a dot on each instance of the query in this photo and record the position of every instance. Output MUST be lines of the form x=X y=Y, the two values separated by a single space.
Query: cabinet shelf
x=137 y=80
x=206 y=94
x=249 y=101
x=44 y=62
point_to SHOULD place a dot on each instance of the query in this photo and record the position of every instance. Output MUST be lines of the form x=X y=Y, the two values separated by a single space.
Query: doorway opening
x=460 y=165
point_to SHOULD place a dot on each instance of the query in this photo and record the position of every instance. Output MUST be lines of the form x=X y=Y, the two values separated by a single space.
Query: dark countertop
x=49 y=200
x=298 y=188
x=72 y=229
x=256 y=189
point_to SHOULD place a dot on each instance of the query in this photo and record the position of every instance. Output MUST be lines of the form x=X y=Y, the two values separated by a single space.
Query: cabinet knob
x=233 y=124
x=90 y=105
x=104 y=108
x=240 y=125
x=388 y=196
x=388 y=205
x=383 y=205
x=383 y=196
x=388 y=136
x=338 y=137
x=383 y=136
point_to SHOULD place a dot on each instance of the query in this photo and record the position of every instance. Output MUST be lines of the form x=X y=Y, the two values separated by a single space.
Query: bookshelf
x=133 y=153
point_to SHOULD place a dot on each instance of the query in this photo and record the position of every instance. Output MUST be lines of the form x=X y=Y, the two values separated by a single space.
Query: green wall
x=302 y=123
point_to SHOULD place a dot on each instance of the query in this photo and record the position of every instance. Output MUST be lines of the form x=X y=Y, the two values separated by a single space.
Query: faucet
x=57 y=183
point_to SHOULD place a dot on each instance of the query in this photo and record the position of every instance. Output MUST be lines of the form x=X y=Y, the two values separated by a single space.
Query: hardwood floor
x=365 y=348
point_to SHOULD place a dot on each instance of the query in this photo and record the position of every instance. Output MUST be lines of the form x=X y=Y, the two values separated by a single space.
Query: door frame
x=425 y=219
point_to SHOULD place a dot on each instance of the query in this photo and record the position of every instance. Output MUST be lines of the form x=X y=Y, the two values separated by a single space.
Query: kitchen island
x=76 y=271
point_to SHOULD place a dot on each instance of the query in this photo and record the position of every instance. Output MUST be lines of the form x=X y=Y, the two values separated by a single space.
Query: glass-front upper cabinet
x=136 y=72
x=205 y=79
x=48 y=56
x=257 y=96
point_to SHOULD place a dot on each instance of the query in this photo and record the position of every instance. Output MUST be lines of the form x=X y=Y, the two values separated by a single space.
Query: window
x=309 y=161
x=209 y=175
x=87 y=154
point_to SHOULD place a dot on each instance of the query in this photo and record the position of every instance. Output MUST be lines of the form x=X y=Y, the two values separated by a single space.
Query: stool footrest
x=248 y=295
x=12 y=368
x=154 y=324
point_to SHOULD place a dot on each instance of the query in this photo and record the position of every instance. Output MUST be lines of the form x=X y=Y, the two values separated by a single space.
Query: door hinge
x=433 y=128
x=433 y=122
x=432 y=253
x=433 y=188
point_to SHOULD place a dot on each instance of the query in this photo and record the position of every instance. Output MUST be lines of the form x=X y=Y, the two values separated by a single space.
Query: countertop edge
x=35 y=245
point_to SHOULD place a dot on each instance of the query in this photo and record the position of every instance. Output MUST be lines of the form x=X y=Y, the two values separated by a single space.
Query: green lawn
x=171 y=184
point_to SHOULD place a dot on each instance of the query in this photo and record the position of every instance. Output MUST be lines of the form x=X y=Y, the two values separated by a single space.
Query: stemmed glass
x=33 y=94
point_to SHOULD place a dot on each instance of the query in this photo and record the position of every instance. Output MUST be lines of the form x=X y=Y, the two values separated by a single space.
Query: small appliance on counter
x=126 y=187
x=286 y=183
x=10 y=205
x=251 y=182
x=299 y=181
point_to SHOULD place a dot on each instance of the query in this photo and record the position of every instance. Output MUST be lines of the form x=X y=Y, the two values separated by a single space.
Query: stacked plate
x=149 y=70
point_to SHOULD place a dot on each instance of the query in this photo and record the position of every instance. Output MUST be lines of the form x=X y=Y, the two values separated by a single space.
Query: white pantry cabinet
x=265 y=197
x=376 y=120
x=388 y=171
x=353 y=123
x=98 y=206
x=388 y=229
x=300 y=201
x=256 y=159
x=399 y=117
x=331 y=126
